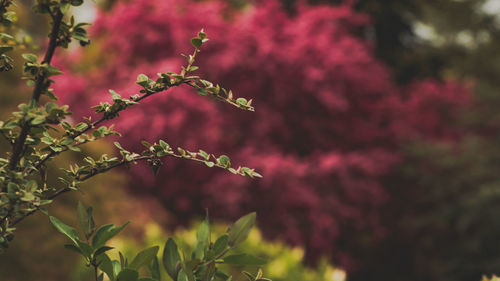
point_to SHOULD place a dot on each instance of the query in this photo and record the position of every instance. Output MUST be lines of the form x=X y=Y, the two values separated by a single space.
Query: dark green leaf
x=106 y=265
x=239 y=231
x=127 y=275
x=74 y=248
x=86 y=220
x=70 y=232
x=202 y=240
x=201 y=91
x=196 y=42
x=87 y=250
x=220 y=244
x=106 y=232
x=155 y=269
x=171 y=258
x=224 y=161
x=101 y=250
x=144 y=258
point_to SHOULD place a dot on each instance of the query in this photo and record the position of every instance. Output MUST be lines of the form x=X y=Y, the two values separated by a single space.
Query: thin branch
x=96 y=272
x=98 y=122
x=121 y=163
x=37 y=92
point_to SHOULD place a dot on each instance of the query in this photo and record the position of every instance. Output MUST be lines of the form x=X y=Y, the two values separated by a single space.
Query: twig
x=37 y=92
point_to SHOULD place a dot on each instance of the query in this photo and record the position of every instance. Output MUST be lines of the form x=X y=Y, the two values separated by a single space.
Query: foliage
x=328 y=129
x=285 y=263
x=38 y=133
x=202 y=264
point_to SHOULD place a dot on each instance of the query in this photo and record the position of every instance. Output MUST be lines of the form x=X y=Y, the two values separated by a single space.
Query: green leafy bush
x=285 y=263
x=201 y=264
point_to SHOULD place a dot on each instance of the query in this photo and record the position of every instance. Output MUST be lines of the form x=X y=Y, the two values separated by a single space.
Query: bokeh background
x=376 y=129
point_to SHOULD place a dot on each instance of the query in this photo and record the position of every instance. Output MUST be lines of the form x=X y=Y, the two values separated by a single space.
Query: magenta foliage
x=327 y=129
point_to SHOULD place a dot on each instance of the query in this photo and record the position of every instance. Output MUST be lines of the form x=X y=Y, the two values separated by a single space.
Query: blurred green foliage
x=285 y=263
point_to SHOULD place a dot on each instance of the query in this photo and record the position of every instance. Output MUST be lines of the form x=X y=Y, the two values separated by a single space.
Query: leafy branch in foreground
x=38 y=133
x=201 y=265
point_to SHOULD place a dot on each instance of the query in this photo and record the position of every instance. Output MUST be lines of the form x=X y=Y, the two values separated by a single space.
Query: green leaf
x=155 y=269
x=103 y=249
x=86 y=220
x=87 y=250
x=201 y=91
x=182 y=276
x=144 y=258
x=220 y=244
x=28 y=196
x=6 y=36
x=116 y=267
x=196 y=42
x=239 y=231
x=115 y=95
x=241 y=101
x=142 y=80
x=243 y=259
x=171 y=258
x=117 y=144
x=146 y=144
x=30 y=58
x=106 y=232
x=52 y=71
x=80 y=37
x=204 y=154
x=202 y=240
x=202 y=35
x=38 y=120
x=187 y=268
x=70 y=232
x=81 y=126
x=73 y=248
x=224 y=161
x=127 y=275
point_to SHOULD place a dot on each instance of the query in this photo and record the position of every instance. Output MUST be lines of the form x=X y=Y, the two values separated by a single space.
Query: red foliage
x=328 y=121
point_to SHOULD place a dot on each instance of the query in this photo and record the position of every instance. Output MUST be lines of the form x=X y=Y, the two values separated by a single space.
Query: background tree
x=330 y=124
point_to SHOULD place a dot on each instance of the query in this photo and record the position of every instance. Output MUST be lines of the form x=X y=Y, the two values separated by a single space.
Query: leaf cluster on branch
x=200 y=265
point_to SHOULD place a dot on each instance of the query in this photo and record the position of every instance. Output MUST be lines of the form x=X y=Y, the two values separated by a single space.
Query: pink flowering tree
x=326 y=133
